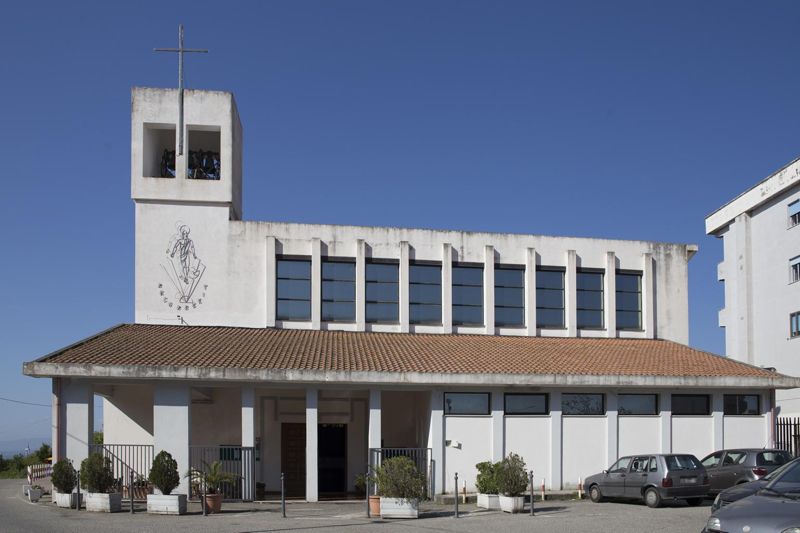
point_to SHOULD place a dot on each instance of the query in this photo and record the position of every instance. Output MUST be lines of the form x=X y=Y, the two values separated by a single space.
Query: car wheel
x=652 y=498
x=594 y=494
x=694 y=502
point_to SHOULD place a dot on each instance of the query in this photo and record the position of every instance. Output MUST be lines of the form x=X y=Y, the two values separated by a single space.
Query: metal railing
x=130 y=464
x=787 y=435
x=236 y=460
x=420 y=456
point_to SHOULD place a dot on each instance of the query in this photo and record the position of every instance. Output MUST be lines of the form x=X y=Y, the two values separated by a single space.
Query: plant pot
x=374 y=506
x=99 y=502
x=67 y=500
x=34 y=494
x=213 y=503
x=488 y=501
x=399 y=508
x=512 y=504
x=166 y=504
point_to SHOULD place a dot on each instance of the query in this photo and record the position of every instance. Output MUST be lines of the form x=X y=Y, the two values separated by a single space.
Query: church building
x=314 y=350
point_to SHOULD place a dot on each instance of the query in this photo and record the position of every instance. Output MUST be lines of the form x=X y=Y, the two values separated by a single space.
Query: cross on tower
x=180 y=50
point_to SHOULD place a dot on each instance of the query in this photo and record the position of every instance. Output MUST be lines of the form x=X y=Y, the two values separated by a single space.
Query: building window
x=794 y=269
x=637 y=404
x=425 y=294
x=509 y=296
x=382 y=292
x=794 y=213
x=466 y=403
x=742 y=404
x=794 y=325
x=589 y=298
x=293 y=289
x=338 y=291
x=691 y=404
x=549 y=298
x=629 y=300
x=467 y=295
x=583 y=404
x=526 y=404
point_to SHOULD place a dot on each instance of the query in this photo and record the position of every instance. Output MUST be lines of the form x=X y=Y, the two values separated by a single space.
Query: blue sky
x=625 y=120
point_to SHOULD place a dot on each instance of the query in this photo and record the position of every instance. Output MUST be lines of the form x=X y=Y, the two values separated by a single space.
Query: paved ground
x=19 y=515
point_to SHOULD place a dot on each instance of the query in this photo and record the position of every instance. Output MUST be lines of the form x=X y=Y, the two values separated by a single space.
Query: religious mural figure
x=183 y=268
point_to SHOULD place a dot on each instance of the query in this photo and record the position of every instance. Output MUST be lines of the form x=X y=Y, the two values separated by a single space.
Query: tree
x=43 y=453
x=97 y=438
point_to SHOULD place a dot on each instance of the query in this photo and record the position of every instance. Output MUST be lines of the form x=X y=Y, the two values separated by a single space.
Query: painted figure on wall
x=185 y=245
x=183 y=268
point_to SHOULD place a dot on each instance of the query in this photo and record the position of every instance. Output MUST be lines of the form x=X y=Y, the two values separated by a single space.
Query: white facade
x=760 y=239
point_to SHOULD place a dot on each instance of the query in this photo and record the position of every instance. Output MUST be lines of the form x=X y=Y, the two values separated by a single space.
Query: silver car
x=652 y=478
x=727 y=468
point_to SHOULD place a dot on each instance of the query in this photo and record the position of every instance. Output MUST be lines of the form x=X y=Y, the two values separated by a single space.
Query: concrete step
x=551 y=495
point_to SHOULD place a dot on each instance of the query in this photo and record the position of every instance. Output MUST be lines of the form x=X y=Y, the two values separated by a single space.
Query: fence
x=39 y=471
x=236 y=460
x=130 y=463
x=787 y=434
x=420 y=456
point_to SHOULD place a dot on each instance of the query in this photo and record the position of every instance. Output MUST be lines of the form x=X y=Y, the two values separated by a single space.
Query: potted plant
x=98 y=478
x=35 y=492
x=141 y=488
x=486 y=483
x=400 y=486
x=65 y=480
x=512 y=480
x=212 y=477
x=164 y=476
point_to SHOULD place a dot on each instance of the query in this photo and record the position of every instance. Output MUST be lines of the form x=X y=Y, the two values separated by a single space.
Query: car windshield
x=787 y=480
x=682 y=462
x=780 y=470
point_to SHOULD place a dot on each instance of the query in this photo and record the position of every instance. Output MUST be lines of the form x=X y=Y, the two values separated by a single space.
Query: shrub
x=486 y=482
x=212 y=476
x=398 y=477
x=96 y=474
x=512 y=479
x=164 y=473
x=360 y=484
x=64 y=477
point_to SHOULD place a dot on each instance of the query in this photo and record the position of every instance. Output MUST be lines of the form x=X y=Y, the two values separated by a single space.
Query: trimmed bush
x=398 y=477
x=64 y=476
x=486 y=482
x=96 y=474
x=512 y=479
x=164 y=473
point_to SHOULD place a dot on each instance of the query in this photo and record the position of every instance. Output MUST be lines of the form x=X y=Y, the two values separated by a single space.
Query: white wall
x=584 y=447
x=474 y=433
x=220 y=422
x=639 y=434
x=128 y=415
x=529 y=437
x=694 y=435
x=745 y=432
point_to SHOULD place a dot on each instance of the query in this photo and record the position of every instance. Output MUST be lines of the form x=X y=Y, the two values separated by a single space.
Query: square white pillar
x=718 y=414
x=556 y=452
x=612 y=427
x=447 y=288
x=316 y=282
x=498 y=426
x=665 y=404
x=78 y=422
x=374 y=431
x=58 y=434
x=436 y=441
x=248 y=441
x=610 y=290
x=172 y=410
x=361 y=275
x=488 y=289
x=648 y=297
x=403 y=279
x=530 y=291
x=271 y=282
x=312 y=453
x=571 y=294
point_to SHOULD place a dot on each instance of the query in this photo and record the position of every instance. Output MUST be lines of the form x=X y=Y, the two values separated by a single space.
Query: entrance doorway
x=332 y=459
x=293 y=459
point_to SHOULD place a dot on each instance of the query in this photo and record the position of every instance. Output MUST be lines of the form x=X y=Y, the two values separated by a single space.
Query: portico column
x=312 y=421
x=57 y=413
x=78 y=423
x=436 y=442
x=248 y=441
x=556 y=455
x=612 y=427
x=172 y=409
x=498 y=431
x=717 y=413
x=665 y=404
x=374 y=436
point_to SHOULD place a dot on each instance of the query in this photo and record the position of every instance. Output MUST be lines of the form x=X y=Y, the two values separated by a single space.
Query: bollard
x=203 y=497
x=531 y=492
x=130 y=491
x=580 y=489
x=78 y=498
x=283 y=496
x=455 y=496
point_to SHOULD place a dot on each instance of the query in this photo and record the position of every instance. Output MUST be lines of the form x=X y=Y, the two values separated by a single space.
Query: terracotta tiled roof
x=285 y=349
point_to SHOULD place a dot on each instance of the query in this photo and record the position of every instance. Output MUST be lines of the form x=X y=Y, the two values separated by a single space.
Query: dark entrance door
x=332 y=459
x=293 y=459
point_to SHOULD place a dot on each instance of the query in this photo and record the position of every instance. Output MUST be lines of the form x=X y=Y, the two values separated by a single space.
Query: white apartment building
x=760 y=232
x=312 y=350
